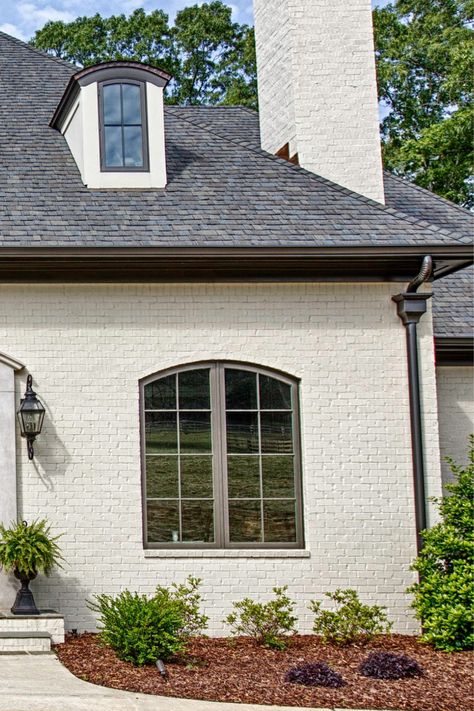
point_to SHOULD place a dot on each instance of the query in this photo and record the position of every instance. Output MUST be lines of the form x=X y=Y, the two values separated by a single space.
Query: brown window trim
x=145 y=168
x=218 y=431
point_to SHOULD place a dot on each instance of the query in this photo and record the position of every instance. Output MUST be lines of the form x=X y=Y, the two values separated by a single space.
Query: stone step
x=25 y=642
x=47 y=621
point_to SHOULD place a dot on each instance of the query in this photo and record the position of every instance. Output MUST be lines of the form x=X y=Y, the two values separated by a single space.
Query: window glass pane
x=161 y=432
x=194 y=390
x=113 y=146
x=242 y=432
x=131 y=104
x=198 y=521
x=276 y=432
x=161 y=394
x=112 y=106
x=278 y=477
x=132 y=140
x=279 y=521
x=274 y=394
x=196 y=477
x=240 y=389
x=243 y=476
x=195 y=432
x=162 y=477
x=163 y=521
x=244 y=521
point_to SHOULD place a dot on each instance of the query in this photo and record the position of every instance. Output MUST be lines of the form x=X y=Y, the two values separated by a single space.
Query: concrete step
x=25 y=642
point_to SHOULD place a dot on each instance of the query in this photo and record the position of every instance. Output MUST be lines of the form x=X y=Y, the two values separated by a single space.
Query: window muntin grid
x=253 y=450
x=123 y=126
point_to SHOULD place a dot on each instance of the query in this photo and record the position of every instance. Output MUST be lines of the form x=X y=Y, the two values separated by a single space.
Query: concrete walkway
x=41 y=683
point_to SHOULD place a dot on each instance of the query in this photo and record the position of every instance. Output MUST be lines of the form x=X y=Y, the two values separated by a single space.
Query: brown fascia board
x=454 y=350
x=162 y=264
x=85 y=75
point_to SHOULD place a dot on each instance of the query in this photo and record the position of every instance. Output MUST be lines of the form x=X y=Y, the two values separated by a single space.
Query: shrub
x=140 y=629
x=317 y=674
x=268 y=622
x=443 y=599
x=351 y=621
x=188 y=599
x=29 y=548
x=383 y=665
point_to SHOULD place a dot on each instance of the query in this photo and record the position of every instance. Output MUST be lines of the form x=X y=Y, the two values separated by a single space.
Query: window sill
x=227 y=553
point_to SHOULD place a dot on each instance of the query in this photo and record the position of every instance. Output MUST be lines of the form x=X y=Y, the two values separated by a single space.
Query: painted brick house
x=205 y=304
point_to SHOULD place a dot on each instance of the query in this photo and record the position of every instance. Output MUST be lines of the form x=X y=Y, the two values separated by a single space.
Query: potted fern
x=26 y=550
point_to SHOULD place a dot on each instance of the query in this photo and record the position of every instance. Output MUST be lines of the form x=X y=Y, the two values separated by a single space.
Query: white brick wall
x=456 y=413
x=317 y=88
x=87 y=347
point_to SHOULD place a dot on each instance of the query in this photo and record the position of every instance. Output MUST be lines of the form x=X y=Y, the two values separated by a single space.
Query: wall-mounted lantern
x=30 y=416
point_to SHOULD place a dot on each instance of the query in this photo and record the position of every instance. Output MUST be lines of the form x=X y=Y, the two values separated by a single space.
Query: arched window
x=221 y=458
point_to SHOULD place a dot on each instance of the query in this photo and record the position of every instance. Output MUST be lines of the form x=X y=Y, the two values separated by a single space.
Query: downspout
x=410 y=308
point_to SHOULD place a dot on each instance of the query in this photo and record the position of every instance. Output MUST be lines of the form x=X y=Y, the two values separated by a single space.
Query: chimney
x=317 y=89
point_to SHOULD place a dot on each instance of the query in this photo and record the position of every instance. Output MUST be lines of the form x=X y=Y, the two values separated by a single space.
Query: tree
x=444 y=597
x=425 y=64
x=211 y=58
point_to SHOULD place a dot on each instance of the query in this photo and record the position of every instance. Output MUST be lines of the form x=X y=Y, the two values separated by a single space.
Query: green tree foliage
x=211 y=58
x=425 y=63
x=444 y=597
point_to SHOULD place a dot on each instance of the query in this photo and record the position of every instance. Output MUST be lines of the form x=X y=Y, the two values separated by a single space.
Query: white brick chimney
x=317 y=88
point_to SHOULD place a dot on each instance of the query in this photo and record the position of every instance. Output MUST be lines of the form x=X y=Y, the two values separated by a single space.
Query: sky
x=21 y=18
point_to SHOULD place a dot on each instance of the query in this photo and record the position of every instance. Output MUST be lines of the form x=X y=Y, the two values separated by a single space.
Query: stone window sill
x=227 y=553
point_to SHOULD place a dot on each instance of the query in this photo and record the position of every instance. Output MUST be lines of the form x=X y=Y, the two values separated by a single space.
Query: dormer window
x=111 y=116
x=123 y=130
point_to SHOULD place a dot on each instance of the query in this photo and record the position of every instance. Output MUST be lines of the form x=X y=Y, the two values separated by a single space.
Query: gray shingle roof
x=221 y=190
x=453 y=305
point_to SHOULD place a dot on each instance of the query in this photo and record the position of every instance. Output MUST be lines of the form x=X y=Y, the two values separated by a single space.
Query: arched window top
x=220 y=445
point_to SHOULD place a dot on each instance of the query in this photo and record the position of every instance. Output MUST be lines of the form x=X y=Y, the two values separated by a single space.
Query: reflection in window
x=221 y=459
x=123 y=126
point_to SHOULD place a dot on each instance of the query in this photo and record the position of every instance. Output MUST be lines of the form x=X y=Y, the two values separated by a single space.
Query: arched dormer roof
x=106 y=71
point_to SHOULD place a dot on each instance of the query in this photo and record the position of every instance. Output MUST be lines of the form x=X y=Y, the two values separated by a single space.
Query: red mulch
x=241 y=671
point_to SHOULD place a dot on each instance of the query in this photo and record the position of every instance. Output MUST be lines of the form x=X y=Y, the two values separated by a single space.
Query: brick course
x=87 y=346
x=456 y=413
x=317 y=88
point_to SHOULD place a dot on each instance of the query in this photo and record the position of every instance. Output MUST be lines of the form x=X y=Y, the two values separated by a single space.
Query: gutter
x=410 y=308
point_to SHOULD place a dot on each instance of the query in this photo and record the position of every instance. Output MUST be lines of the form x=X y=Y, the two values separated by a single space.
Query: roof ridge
x=334 y=186
x=420 y=189
x=40 y=52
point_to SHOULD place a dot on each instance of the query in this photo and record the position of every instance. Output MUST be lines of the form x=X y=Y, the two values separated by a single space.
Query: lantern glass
x=30 y=416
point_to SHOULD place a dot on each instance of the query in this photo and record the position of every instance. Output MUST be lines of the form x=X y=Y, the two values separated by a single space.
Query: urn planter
x=24 y=602
x=26 y=550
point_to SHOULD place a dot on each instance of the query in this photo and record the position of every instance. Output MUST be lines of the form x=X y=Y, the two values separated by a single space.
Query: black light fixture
x=30 y=416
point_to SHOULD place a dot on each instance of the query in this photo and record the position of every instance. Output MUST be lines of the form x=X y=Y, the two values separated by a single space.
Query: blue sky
x=21 y=18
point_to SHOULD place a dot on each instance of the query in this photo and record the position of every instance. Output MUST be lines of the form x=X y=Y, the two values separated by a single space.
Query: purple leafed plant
x=317 y=674
x=383 y=665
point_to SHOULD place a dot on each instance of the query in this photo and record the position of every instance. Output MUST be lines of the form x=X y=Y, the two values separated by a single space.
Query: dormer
x=111 y=116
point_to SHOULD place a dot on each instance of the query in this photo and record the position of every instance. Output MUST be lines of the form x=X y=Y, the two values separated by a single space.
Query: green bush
x=188 y=600
x=351 y=621
x=140 y=629
x=268 y=622
x=443 y=599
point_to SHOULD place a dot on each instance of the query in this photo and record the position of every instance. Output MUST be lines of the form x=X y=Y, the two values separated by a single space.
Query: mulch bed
x=239 y=670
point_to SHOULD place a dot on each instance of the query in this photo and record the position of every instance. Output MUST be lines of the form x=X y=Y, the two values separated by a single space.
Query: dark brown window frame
x=218 y=434
x=145 y=168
